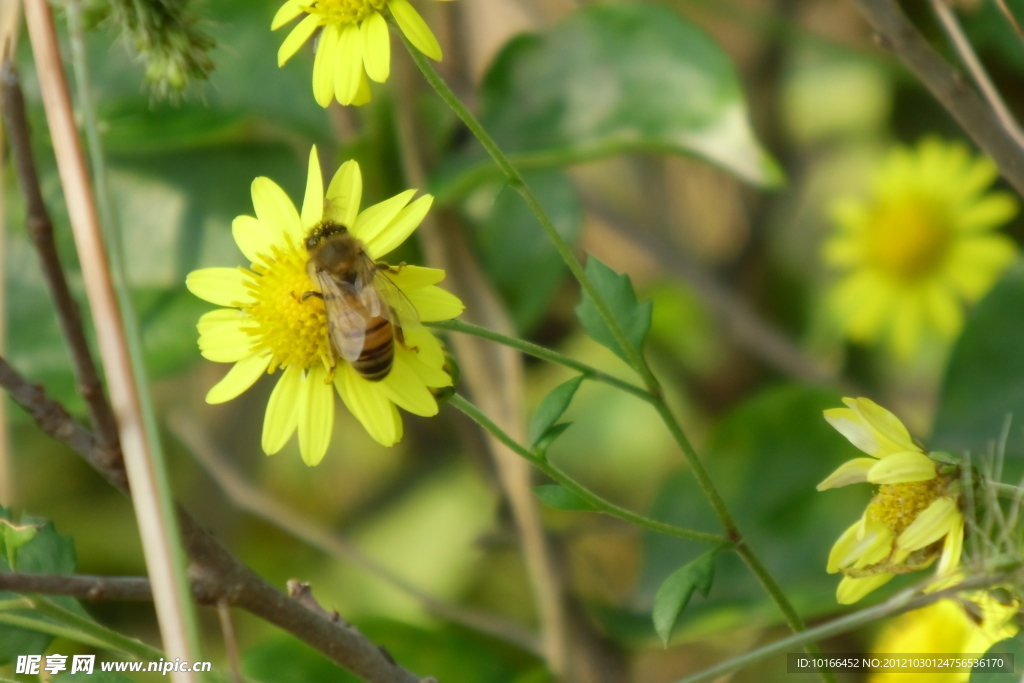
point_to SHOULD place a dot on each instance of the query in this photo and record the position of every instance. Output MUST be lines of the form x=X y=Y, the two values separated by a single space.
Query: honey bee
x=366 y=311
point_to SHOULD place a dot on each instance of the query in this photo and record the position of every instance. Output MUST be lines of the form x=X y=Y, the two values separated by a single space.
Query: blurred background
x=738 y=137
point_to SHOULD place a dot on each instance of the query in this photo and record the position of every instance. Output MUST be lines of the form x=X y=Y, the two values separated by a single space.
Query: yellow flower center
x=292 y=326
x=897 y=505
x=344 y=11
x=908 y=240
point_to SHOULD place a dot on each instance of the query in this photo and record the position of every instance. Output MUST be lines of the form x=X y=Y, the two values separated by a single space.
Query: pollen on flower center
x=344 y=11
x=897 y=505
x=291 y=327
x=909 y=239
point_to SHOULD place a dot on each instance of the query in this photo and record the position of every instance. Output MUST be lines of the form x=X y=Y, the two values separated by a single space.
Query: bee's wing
x=366 y=272
x=401 y=311
x=346 y=325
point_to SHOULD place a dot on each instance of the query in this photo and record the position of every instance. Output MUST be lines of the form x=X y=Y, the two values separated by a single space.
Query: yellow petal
x=344 y=194
x=434 y=303
x=251 y=237
x=348 y=65
x=852 y=590
x=288 y=11
x=324 y=65
x=876 y=548
x=861 y=537
x=986 y=213
x=282 y=411
x=397 y=229
x=404 y=387
x=409 y=277
x=415 y=29
x=975 y=264
x=907 y=318
x=363 y=93
x=376 y=47
x=850 y=472
x=313 y=201
x=242 y=376
x=375 y=219
x=428 y=348
x=296 y=39
x=944 y=310
x=221 y=337
x=274 y=210
x=901 y=468
x=316 y=415
x=848 y=423
x=221 y=286
x=885 y=424
x=933 y=523
x=369 y=405
x=430 y=375
x=952 y=549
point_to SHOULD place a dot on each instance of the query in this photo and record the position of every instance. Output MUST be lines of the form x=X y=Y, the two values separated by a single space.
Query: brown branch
x=249 y=498
x=96 y=588
x=40 y=230
x=897 y=33
x=1004 y=8
x=215 y=572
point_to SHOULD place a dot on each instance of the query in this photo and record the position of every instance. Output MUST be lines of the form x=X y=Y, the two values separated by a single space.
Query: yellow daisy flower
x=920 y=246
x=354 y=43
x=914 y=517
x=270 y=321
x=948 y=627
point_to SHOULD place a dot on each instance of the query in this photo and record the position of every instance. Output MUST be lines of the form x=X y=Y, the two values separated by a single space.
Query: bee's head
x=322 y=231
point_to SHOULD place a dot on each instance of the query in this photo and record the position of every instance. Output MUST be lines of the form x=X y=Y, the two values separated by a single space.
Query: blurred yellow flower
x=915 y=515
x=920 y=246
x=355 y=43
x=270 y=322
x=945 y=628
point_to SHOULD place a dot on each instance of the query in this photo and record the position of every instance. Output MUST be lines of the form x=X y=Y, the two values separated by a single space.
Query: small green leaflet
x=561 y=498
x=617 y=291
x=677 y=589
x=1011 y=646
x=551 y=408
x=13 y=537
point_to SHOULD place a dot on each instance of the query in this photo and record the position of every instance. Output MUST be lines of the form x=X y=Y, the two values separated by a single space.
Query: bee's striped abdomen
x=374 y=363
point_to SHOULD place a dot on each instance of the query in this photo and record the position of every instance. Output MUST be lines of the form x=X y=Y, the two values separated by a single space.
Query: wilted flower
x=354 y=43
x=920 y=246
x=913 y=519
x=270 y=322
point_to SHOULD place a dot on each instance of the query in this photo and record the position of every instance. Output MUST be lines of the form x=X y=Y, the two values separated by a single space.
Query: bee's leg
x=307 y=295
x=400 y=336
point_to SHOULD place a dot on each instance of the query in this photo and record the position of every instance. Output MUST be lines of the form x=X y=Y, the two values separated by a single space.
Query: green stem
x=542 y=353
x=77 y=628
x=516 y=181
x=599 y=504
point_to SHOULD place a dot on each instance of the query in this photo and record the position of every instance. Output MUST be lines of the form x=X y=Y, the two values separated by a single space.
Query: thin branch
x=140 y=447
x=1010 y=18
x=905 y=601
x=227 y=629
x=40 y=230
x=897 y=33
x=95 y=588
x=252 y=500
x=981 y=78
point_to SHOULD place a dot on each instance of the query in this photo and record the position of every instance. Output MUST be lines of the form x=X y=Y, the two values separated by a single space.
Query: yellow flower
x=354 y=43
x=268 y=323
x=948 y=627
x=915 y=515
x=920 y=246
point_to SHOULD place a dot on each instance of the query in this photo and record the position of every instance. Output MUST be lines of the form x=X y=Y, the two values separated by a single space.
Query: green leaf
x=675 y=593
x=617 y=292
x=1010 y=646
x=614 y=79
x=984 y=381
x=13 y=537
x=552 y=408
x=514 y=249
x=549 y=436
x=561 y=498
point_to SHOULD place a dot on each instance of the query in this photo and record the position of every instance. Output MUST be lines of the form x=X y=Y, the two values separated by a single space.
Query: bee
x=366 y=311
